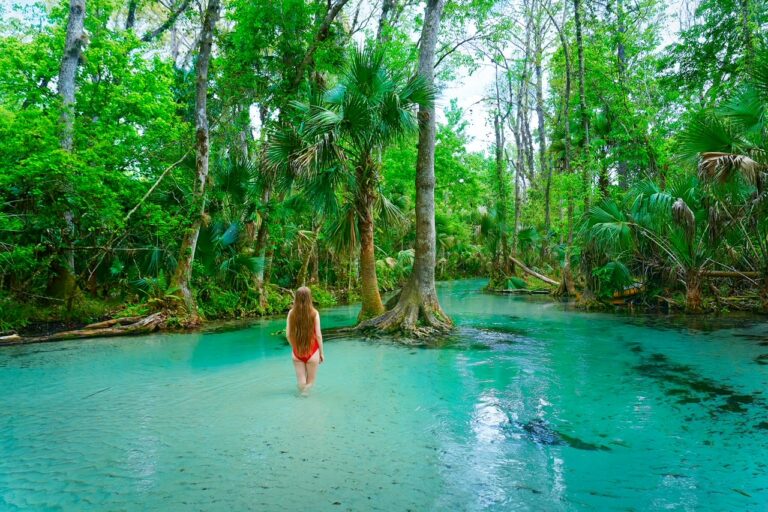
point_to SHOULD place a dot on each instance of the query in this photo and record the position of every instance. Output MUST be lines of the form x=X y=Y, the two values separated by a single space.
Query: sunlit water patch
x=530 y=405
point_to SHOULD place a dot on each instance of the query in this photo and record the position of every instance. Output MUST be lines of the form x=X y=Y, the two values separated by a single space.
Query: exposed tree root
x=116 y=327
x=415 y=318
x=587 y=300
x=566 y=287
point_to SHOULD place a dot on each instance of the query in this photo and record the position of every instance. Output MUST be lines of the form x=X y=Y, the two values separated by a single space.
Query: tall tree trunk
x=523 y=100
x=746 y=29
x=310 y=255
x=518 y=204
x=566 y=285
x=314 y=268
x=621 y=58
x=180 y=282
x=322 y=34
x=64 y=284
x=350 y=275
x=418 y=303
x=502 y=262
x=543 y=168
x=130 y=19
x=387 y=12
x=582 y=106
x=566 y=93
x=262 y=238
x=547 y=201
x=372 y=305
x=587 y=297
x=269 y=259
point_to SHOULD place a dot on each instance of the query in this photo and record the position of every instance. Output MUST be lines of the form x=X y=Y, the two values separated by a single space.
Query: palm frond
x=705 y=133
x=342 y=233
x=746 y=110
x=684 y=217
x=721 y=167
x=418 y=92
x=609 y=227
x=389 y=214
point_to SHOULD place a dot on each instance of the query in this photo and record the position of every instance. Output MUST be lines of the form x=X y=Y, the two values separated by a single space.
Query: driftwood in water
x=533 y=272
x=116 y=327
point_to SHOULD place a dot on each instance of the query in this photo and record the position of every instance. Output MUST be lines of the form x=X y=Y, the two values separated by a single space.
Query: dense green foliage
x=626 y=187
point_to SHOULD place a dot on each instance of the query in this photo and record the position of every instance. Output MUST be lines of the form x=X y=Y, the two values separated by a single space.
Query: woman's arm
x=319 y=335
x=288 y=329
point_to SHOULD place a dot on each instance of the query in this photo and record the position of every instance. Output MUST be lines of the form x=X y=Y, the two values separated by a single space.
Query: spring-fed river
x=533 y=406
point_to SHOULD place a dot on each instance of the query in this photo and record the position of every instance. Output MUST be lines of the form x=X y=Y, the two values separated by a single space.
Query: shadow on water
x=487 y=337
x=699 y=324
x=464 y=337
x=539 y=432
x=688 y=387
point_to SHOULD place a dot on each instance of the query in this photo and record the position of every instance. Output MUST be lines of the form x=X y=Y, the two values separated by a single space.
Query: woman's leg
x=301 y=374
x=312 y=365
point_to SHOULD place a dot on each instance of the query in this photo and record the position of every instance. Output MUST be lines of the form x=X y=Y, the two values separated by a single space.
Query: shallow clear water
x=533 y=407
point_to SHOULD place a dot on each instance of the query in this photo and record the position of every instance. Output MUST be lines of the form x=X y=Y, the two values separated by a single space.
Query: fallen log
x=142 y=325
x=523 y=291
x=533 y=272
x=731 y=273
x=115 y=321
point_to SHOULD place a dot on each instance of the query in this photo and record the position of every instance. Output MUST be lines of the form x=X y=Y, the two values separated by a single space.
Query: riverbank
x=31 y=323
x=50 y=321
x=722 y=299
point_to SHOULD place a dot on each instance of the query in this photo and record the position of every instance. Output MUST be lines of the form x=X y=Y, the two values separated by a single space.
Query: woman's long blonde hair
x=302 y=320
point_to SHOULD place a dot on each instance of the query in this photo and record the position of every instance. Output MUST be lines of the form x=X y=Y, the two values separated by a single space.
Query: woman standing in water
x=303 y=332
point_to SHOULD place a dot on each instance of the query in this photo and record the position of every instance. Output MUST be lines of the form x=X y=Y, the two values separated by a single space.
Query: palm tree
x=335 y=148
x=663 y=231
x=731 y=146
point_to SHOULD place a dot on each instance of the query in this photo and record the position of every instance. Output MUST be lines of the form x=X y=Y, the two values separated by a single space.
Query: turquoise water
x=533 y=407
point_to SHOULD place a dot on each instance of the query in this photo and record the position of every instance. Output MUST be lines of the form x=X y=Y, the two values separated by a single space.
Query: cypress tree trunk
x=64 y=284
x=180 y=282
x=418 y=311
